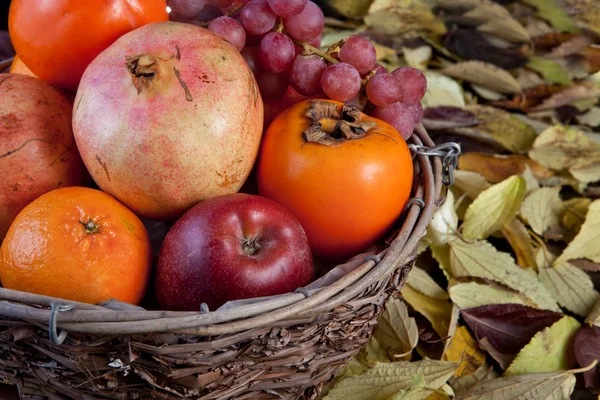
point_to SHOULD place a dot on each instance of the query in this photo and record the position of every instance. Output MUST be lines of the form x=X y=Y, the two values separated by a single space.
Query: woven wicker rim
x=94 y=319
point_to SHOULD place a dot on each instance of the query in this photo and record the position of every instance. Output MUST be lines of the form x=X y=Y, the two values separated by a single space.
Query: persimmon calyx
x=331 y=124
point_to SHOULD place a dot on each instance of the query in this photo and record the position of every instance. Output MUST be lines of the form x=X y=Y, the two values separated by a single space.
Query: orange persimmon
x=58 y=39
x=346 y=176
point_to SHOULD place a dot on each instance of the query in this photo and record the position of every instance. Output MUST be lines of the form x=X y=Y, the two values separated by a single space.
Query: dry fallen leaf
x=572 y=287
x=500 y=128
x=573 y=213
x=493 y=208
x=396 y=332
x=498 y=167
x=570 y=95
x=401 y=16
x=547 y=350
x=444 y=222
x=518 y=237
x=541 y=209
x=561 y=148
x=587 y=242
x=481 y=260
x=484 y=74
x=384 y=380
x=473 y=294
x=464 y=350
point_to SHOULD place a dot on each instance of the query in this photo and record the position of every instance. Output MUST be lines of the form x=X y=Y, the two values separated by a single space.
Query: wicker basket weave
x=281 y=347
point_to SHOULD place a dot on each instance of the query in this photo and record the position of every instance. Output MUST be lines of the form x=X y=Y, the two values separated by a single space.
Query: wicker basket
x=281 y=347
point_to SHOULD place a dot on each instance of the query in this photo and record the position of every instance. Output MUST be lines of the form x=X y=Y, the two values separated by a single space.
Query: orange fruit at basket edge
x=78 y=244
x=19 y=67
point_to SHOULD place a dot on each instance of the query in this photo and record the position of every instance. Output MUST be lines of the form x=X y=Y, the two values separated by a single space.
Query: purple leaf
x=508 y=327
x=587 y=349
x=472 y=45
x=446 y=117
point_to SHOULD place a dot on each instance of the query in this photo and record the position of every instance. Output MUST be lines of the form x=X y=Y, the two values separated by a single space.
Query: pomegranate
x=37 y=149
x=167 y=116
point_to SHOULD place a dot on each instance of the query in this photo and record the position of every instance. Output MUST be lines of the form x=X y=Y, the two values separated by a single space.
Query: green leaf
x=420 y=280
x=494 y=207
x=549 y=70
x=587 y=242
x=481 y=260
x=396 y=332
x=550 y=11
x=385 y=380
x=546 y=386
x=500 y=128
x=541 y=209
x=548 y=350
x=572 y=287
x=444 y=222
x=473 y=294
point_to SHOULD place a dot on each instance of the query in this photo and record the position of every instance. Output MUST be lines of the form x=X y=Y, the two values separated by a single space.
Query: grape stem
x=319 y=52
x=234 y=10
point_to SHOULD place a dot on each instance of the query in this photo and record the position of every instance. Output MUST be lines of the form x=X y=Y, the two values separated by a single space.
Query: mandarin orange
x=78 y=244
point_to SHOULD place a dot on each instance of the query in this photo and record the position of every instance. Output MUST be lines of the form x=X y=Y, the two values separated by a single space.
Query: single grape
x=380 y=69
x=417 y=111
x=257 y=17
x=276 y=52
x=399 y=116
x=250 y=54
x=340 y=81
x=272 y=86
x=307 y=25
x=230 y=29
x=208 y=13
x=287 y=8
x=306 y=74
x=220 y=3
x=186 y=8
x=384 y=89
x=359 y=52
x=316 y=42
x=414 y=84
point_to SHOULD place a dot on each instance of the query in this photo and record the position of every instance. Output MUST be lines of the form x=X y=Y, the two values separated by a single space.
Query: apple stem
x=250 y=246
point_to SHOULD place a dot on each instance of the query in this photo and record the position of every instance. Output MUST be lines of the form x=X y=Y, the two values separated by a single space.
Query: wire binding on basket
x=449 y=153
x=375 y=258
x=55 y=308
x=415 y=200
x=303 y=291
x=204 y=307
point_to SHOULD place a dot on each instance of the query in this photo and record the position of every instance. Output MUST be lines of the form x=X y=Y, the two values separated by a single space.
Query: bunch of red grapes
x=280 y=41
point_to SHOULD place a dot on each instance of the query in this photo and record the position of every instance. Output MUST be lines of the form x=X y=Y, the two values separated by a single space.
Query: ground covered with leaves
x=504 y=301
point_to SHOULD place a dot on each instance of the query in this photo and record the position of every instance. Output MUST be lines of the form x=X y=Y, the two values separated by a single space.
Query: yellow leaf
x=541 y=209
x=548 y=350
x=481 y=260
x=464 y=350
x=594 y=316
x=417 y=57
x=493 y=208
x=442 y=255
x=437 y=311
x=517 y=236
x=487 y=75
x=572 y=287
x=587 y=242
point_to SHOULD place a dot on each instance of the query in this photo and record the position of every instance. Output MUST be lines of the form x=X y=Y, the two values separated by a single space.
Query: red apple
x=231 y=247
